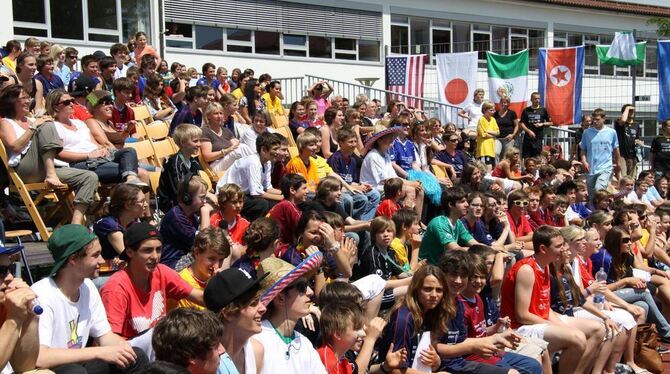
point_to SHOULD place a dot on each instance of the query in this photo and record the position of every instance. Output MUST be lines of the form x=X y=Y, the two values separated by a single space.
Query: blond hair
x=184 y=132
x=306 y=139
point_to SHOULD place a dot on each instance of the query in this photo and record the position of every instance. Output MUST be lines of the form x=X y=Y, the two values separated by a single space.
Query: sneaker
x=662 y=349
x=623 y=369
x=664 y=339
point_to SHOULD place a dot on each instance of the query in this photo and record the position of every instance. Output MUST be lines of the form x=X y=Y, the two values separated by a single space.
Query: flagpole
x=633 y=70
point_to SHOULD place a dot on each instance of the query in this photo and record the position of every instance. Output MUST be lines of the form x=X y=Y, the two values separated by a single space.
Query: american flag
x=404 y=75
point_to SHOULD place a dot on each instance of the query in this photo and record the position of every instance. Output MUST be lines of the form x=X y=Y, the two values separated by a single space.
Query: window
x=345 y=49
x=66 y=19
x=178 y=35
x=29 y=11
x=239 y=40
x=368 y=50
x=481 y=41
x=399 y=39
x=295 y=45
x=209 y=38
x=500 y=39
x=102 y=14
x=441 y=41
x=461 y=41
x=560 y=39
x=420 y=35
x=590 y=55
x=574 y=40
x=267 y=42
x=135 y=16
x=320 y=47
x=535 y=42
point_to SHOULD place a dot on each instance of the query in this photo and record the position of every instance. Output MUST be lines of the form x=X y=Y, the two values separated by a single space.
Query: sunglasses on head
x=11 y=268
x=300 y=286
x=521 y=203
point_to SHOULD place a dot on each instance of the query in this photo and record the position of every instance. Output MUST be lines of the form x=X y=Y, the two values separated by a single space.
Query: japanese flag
x=457 y=79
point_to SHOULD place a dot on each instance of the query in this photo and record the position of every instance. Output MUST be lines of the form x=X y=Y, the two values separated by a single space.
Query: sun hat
x=381 y=131
x=228 y=285
x=66 y=241
x=280 y=274
x=137 y=233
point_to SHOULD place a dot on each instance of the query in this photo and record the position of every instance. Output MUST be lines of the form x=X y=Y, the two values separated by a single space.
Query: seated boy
x=253 y=174
x=230 y=199
x=393 y=193
x=340 y=324
x=180 y=166
x=122 y=113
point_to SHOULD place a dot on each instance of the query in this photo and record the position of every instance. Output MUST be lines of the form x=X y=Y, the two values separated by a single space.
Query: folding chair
x=142 y=114
x=157 y=130
x=286 y=132
x=214 y=176
x=439 y=171
x=63 y=197
x=145 y=151
x=279 y=120
x=205 y=177
x=18 y=234
x=293 y=151
x=162 y=150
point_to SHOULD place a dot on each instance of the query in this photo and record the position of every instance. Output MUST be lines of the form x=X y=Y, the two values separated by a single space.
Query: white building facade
x=345 y=40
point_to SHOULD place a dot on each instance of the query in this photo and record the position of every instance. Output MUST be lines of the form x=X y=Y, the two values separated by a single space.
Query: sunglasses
x=521 y=203
x=300 y=286
x=106 y=102
x=625 y=240
x=66 y=102
x=453 y=140
x=11 y=268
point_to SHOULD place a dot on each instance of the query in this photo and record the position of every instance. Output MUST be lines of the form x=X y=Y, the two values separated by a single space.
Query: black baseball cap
x=228 y=285
x=81 y=86
x=137 y=233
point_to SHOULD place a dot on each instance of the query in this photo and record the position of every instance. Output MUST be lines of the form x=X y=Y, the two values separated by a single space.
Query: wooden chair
x=205 y=177
x=162 y=150
x=17 y=234
x=286 y=132
x=279 y=120
x=213 y=175
x=142 y=114
x=140 y=131
x=157 y=130
x=63 y=197
x=145 y=151
x=293 y=151
x=439 y=171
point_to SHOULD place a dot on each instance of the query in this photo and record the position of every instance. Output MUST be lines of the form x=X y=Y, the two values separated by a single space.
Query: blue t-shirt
x=652 y=194
x=349 y=170
x=581 y=209
x=601 y=258
x=491 y=310
x=456 y=333
x=599 y=145
x=478 y=231
x=458 y=160
x=203 y=82
x=184 y=115
x=399 y=331
x=102 y=228
x=403 y=153
x=177 y=234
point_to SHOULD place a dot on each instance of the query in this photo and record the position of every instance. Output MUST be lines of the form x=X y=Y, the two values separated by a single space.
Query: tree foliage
x=663 y=25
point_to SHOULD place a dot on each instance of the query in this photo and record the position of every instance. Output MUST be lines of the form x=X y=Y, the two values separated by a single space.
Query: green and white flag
x=623 y=51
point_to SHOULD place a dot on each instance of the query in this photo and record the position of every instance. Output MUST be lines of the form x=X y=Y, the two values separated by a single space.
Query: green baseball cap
x=66 y=241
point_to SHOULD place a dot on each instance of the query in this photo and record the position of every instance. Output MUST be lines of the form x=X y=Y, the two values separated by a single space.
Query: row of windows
x=418 y=35
x=109 y=21
x=269 y=43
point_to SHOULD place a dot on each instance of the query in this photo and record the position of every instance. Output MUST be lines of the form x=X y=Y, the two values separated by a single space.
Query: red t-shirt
x=236 y=231
x=522 y=229
x=286 y=214
x=387 y=208
x=332 y=363
x=540 y=297
x=585 y=271
x=80 y=112
x=130 y=310
x=475 y=323
x=123 y=116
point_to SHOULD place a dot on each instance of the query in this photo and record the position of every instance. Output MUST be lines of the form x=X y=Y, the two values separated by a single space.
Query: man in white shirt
x=73 y=311
x=253 y=174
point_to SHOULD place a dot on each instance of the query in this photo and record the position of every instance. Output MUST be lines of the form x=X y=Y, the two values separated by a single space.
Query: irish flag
x=508 y=76
x=623 y=51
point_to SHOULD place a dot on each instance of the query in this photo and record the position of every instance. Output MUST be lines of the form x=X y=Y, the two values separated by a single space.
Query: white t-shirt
x=76 y=141
x=474 y=111
x=65 y=324
x=376 y=168
x=302 y=357
x=15 y=158
x=249 y=174
x=249 y=137
x=120 y=73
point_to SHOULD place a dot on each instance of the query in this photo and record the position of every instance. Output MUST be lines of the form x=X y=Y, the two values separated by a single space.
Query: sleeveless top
x=116 y=138
x=249 y=358
x=540 y=299
x=15 y=158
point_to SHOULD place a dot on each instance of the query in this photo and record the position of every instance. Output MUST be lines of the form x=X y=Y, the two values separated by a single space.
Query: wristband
x=383 y=369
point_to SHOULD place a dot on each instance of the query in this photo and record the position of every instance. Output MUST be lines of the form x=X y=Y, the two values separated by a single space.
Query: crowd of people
x=386 y=242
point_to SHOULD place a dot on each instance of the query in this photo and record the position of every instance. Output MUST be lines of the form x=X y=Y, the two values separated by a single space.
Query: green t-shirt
x=439 y=233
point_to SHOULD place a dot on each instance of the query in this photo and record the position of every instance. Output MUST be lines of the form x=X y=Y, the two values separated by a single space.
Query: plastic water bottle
x=598 y=297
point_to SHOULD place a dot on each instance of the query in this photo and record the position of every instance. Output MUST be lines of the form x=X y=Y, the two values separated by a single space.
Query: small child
x=133 y=73
x=179 y=166
x=407 y=241
x=228 y=218
x=302 y=163
x=341 y=323
x=393 y=193
x=123 y=116
x=261 y=238
x=380 y=259
x=211 y=251
x=287 y=212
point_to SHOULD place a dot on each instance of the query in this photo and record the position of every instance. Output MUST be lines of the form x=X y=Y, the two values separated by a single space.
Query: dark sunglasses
x=625 y=240
x=11 y=268
x=66 y=102
x=454 y=140
x=106 y=102
x=300 y=286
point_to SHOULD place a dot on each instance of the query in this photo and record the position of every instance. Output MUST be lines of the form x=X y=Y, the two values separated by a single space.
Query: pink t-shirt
x=321 y=106
x=130 y=310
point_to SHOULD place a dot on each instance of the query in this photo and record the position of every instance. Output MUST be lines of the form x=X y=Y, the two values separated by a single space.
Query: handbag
x=646 y=343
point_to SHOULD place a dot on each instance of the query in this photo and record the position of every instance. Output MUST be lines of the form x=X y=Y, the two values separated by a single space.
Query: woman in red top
x=510 y=167
x=142 y=48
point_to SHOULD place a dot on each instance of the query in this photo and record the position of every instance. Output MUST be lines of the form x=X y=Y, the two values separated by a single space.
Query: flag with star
x=404 y=75
x=560 y=74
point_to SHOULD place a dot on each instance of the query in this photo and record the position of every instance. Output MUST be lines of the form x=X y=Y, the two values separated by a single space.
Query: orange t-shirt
x=310 y=173
x=540 y=297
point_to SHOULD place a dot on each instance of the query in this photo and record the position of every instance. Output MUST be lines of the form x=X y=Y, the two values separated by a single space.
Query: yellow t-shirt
x=398 y=247
x=272 y=106
x=486 y=146
x=9 y=63
x=322 y=167
x=183 y=303
x=237 y=93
